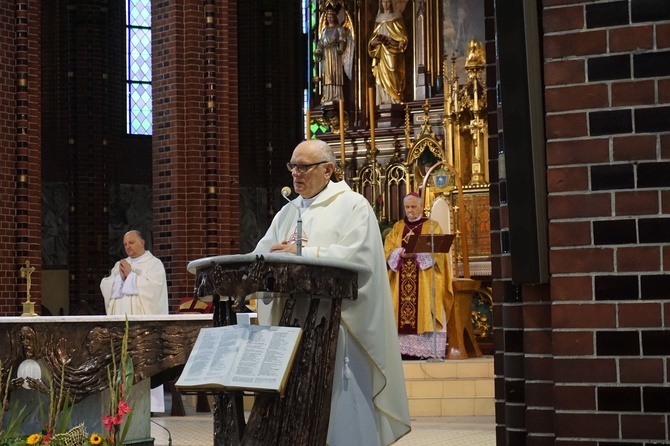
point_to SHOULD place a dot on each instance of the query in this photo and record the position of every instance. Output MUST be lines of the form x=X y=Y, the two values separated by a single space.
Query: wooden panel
x=478 y=223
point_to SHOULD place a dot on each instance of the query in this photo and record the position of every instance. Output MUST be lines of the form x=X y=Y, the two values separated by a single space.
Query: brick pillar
x=8 y=266
x=195 y=140
x=92 y=127
x=582 y=359
x=271 y=111
x=20 y=138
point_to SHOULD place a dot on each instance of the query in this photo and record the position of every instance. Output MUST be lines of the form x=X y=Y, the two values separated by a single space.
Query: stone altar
x=82 y=346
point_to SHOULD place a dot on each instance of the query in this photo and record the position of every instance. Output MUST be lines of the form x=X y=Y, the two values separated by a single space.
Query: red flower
x=108 y=421
x=124 y=408
x=117 y=419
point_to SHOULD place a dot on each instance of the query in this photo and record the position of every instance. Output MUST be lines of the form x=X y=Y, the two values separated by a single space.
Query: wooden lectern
x=300 y=416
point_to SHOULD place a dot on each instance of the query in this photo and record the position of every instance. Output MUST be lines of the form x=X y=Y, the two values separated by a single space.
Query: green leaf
x=126 y=425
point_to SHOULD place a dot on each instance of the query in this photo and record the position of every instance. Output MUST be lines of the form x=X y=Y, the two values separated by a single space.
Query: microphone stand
x=433 y=300
x=298 y=242
x=285 y=192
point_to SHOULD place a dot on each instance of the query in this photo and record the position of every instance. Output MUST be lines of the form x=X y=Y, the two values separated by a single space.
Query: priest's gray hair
x=408 y=196
x=324 y=150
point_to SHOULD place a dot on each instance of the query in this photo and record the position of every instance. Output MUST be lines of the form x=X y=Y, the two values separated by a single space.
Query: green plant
x=120 y=383
x=9 y=435
x=60 y=409
x=57 y=430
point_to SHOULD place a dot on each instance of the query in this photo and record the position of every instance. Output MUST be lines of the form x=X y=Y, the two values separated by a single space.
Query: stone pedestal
x=390 y=115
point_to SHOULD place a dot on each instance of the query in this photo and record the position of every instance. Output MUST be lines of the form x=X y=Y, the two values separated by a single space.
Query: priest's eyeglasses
x=302 y=168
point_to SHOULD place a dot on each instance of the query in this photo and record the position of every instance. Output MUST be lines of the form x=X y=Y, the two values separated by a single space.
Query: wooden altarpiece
x=437 y=179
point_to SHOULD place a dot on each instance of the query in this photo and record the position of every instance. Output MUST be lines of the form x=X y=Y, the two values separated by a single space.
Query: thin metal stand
x=298 y=242
x=286 y=191
x=433 y=301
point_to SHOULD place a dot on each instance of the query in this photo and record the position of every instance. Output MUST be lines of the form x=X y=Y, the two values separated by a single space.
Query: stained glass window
x=138 y=64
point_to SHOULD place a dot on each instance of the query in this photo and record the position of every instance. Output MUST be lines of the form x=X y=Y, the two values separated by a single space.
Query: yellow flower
x=34 y=439
x=95 y=439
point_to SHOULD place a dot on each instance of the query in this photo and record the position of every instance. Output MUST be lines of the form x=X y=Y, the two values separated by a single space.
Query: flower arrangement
x=76 y=436
x=56 y=431
x=120 y=382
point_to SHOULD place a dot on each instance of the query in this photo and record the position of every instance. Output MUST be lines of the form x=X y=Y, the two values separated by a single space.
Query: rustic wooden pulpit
x=300 y=286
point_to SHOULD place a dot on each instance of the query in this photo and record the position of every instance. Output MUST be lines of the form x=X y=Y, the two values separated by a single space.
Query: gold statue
x=28 y=306
x=334 y=54
x=387 y=48
x=476 y=58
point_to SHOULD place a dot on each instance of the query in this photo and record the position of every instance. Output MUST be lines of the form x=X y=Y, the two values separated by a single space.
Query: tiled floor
x=195 y=429
x=446 y=431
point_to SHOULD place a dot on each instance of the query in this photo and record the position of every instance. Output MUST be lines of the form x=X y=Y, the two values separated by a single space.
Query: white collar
x=137 y=259
x=307 y=202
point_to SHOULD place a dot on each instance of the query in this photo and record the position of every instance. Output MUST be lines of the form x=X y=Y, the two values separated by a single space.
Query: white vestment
x=369 y=400
x=148 y=285
x=147 y=294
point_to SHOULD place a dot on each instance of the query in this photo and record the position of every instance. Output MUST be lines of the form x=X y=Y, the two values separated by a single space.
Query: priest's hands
x=124 y=268
x=283 y=247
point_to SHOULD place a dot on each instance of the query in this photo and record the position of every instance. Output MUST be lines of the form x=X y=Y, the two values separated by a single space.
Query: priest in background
x=411 y=276
x=137 y=285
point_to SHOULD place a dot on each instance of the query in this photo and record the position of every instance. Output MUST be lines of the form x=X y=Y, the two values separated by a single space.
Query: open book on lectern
x=437 y=243
x=240 y=357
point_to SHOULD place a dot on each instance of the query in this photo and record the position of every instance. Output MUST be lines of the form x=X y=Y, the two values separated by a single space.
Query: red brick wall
x=85 y=144
x=195 y=140
x=94 y=125
x=195 y=150
x=271 y=98
x=20 y=180
x=583 y=359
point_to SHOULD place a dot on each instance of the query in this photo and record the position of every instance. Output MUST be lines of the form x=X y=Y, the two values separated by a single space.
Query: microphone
x=286 y=191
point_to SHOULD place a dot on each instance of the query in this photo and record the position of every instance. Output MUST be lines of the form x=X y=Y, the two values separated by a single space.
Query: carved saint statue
x=334 y=53
x=387 y=48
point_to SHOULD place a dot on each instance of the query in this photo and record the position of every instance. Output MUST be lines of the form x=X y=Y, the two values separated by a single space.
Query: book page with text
x=264 y=361
x=211 y=359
